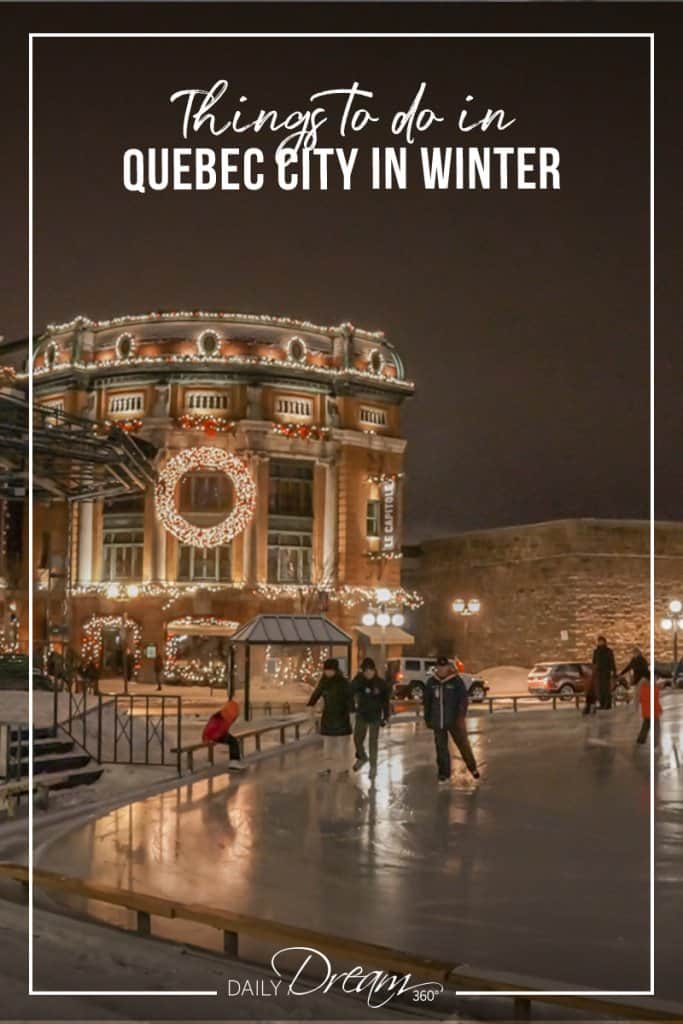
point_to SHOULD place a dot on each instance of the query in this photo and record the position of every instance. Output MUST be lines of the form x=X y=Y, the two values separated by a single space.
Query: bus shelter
x=282 y=631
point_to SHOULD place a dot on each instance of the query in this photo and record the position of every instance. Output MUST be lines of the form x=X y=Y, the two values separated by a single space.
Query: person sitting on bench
x=217 y=729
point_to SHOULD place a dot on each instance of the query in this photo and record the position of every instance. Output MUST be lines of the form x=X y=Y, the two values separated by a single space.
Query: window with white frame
x=204 y=563
x=372 y=417
x=293 y=407
x=123 y=538
x=207 y=401
x=126 y=405
x=290 y=521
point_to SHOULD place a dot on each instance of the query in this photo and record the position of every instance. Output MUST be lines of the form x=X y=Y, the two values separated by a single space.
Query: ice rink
x=541 y=868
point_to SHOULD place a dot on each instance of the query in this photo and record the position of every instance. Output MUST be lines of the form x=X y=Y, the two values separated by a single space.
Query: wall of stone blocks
x=547 y=590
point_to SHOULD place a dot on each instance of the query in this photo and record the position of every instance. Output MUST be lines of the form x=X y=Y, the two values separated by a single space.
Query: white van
x=408 y=677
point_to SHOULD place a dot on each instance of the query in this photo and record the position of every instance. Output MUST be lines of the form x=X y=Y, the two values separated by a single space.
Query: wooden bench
x=12 y=792
x=191 y=749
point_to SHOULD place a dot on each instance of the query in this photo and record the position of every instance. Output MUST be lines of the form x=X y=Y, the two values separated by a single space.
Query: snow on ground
x=506 y=680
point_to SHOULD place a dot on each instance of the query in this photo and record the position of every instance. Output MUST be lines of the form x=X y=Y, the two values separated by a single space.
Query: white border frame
x=347 y=35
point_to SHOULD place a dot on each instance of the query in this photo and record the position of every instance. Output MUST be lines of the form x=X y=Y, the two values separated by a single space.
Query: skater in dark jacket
x=370 y=695
x=335 y=723
x=638 y=666
x=605 y=669
x=445 y=709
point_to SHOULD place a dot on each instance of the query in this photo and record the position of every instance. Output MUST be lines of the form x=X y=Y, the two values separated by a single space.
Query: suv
x=566 y=679
x=408 y=676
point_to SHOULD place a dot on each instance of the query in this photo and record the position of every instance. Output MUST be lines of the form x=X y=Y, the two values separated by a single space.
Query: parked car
x=14 y=669
x=565 y=679
x=409 y=675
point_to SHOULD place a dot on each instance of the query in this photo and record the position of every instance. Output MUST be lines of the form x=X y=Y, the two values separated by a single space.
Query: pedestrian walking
x=158 y=668
x=91 y=677
x=370 y=695
x=605 y=670
x=445 y=710
x=335 y=722
x=217 y=729
x=642 y=703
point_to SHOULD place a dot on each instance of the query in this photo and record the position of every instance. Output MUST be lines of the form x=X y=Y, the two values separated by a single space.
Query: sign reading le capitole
x=389 y=491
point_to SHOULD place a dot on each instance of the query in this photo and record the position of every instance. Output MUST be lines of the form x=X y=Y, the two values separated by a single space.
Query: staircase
x=56 y=759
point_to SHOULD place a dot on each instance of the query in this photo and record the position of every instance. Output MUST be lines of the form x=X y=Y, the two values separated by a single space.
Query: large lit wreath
x=186 y=461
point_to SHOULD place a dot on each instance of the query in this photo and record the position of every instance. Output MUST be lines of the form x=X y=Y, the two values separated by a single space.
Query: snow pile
x=506 y=680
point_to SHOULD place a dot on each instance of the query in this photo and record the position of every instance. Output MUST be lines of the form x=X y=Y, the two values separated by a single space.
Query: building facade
x=279 y=458
x=546 y=590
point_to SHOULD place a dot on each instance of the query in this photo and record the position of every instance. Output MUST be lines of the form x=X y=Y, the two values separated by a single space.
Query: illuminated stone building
x=278 y=456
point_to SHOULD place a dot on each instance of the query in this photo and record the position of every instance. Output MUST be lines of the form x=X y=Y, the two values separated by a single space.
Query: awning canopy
x=389 y=635
x=291 y=629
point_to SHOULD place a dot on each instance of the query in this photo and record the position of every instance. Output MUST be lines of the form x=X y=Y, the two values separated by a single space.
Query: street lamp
x=382 y=614
x=465 y=610
x=471 y=607
x=673 y=624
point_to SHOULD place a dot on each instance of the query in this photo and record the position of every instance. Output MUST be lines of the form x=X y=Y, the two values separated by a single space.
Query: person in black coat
x=445 y=709
x=370 y=695
x=605 y=670
x=335 y=723
x=638 y=666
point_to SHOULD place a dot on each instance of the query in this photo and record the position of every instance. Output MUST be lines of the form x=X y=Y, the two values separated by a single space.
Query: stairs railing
x=118 y=728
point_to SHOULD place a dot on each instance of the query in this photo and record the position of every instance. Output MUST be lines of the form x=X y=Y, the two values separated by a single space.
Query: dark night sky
x=523 y=317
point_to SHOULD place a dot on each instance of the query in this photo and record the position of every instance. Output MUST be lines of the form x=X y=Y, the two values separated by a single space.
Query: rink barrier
x=256 y=734
x=457 y=978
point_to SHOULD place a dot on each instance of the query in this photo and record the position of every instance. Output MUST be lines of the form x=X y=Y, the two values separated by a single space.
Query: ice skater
x=605 y=670
x=445 y=711
x=642 y=703
x=335 y=722
x=370 y=694
x=637 y=666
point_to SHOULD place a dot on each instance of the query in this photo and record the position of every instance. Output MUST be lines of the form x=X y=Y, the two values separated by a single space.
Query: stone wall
x=546 y=589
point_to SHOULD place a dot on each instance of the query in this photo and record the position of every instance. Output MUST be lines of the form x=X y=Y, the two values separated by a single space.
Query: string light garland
x=125 y=346
x=171 y=591
x=382 y=478
x=384 y=556
x=347 y=595
x=292 y=669
x=301 y=431
x=85 y=322
x=209 y=344
x=188 y=359
x=208 y=424
x=186 y=461
x=93 y=630
x=194 y=670
x=128 y=426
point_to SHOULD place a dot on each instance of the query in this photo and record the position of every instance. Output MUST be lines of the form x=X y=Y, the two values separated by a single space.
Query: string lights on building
x=191 y=359
x=301 y=431
x=93 y=637
x=208 y=424
x=85 y=323
x=192 y=459
x=284 y=669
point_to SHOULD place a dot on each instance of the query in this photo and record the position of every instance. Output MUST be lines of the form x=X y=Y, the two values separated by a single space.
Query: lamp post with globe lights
x=382 y=613
x=674 y=624
x=465 y=610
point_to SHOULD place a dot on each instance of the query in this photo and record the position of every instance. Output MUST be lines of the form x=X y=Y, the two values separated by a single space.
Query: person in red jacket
x=642 y=701
x=217 y=729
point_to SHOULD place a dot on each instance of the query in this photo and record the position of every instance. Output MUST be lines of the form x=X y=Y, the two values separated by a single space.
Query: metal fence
x=116 y=728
